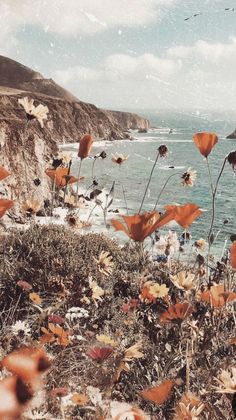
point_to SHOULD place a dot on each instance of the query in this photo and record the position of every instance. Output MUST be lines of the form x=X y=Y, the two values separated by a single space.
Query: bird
x=229 y=9
x=193 y=16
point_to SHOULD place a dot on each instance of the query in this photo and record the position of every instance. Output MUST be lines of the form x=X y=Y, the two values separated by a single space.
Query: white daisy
x=34 y=112
x=20 y=327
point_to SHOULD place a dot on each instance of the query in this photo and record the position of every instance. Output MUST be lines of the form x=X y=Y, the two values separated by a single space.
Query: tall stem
x=163 y=188
x=149 y=180
x=77 y=186
x=126 y=205
x=93 y=168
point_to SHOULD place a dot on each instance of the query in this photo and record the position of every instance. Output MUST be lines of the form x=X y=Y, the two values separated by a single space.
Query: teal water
x=132 y=175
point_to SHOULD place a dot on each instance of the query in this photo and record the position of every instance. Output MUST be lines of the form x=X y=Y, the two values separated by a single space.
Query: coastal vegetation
x=92 y=328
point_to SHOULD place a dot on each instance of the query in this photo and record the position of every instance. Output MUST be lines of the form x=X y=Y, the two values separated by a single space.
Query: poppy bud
x=85 y=146
x=163 y=150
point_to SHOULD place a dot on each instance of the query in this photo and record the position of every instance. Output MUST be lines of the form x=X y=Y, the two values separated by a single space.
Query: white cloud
x=122 y=67
x=78 y=17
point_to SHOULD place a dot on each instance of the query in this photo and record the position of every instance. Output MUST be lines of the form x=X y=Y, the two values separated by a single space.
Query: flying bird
x=193 y=16
x=229 y=9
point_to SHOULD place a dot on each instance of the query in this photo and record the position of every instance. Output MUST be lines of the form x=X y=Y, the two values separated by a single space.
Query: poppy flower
x=139 y=226
x=14 y=395
x=217 y=296
x=205 y=142
x=3 y=173
x=27 y=363
x=233 y=255
x=186 y=214
x=99 y=353
x=177 y=312
x=61 y=177
x=34 y=112
x=85 y=146
x=159 y=394
x=4 y=206
x=61 y=335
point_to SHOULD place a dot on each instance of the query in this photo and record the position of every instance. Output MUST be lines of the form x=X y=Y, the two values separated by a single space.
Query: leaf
x=159 y=394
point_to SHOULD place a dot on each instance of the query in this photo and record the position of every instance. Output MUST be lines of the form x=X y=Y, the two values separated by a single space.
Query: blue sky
x=136 y=54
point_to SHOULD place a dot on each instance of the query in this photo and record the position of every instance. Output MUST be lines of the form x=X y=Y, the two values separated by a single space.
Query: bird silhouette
x=229 y=9
x=193 y=16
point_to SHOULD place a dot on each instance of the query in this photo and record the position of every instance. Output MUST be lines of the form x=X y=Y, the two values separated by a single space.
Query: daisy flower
x=189 y=177
x=34 y=112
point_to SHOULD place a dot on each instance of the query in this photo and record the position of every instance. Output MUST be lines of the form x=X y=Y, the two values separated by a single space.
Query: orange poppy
x=85 y=146
x=3 y=173
x=233 y=255
x=14 y=395
x=217 y=296
x=27 y=363
x=186 y=214
x=159 y=394
x=60 y=176
x=139 y=226
x=4 y=206
x=179 y=311
x=205 y=142
x=60 y=333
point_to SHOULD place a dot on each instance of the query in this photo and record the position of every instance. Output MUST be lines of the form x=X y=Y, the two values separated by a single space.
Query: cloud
x=122 y=67
x=79 y=17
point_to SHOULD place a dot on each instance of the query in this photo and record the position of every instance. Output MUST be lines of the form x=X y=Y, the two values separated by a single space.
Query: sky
x=129 y=54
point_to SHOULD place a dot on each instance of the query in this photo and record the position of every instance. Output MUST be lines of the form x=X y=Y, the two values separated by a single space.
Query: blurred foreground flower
x=189 y=407
x=139 y=226
x=233 y=255
x=85 y=146
x=34 y=112
x=205 y=142
x=14 y=396
x=200 y=243
x=183 y=280
x=3 y=173
x=105 y=263
x=227 y=381
x=4 y=206
x=184 y=215
x=189 y=177
x=119 y=158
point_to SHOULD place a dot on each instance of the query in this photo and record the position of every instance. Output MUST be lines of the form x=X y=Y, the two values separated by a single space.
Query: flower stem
x=149 y=180
x=163 y=188
x=126 y=205
x=77 y=186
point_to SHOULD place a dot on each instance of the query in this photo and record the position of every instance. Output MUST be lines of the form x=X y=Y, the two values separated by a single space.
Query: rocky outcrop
x=26 y=151
x=232 y=135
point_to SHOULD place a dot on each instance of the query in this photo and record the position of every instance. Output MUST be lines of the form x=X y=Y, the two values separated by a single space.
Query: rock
x=142 y=130
x=232 y=135
x=26 y=152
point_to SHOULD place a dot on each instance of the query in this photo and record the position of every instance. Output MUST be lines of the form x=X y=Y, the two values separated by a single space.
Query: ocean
x=132 y=176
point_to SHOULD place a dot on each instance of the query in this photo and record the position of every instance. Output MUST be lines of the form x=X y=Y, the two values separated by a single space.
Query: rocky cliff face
x=26 y=151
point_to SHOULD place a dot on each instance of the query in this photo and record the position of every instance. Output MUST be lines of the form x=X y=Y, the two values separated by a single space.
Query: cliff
x=26 y=151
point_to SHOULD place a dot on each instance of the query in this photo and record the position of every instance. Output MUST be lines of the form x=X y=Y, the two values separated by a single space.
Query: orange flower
x=233 y=255
x=3 y=173
x=179 y=311
x=4 y=206
x=205 y=142
x=139 y=226
x=85 y=146
x=217 y=296
x=60 y=333
x=186 y=214
x=159 y=394
x=27 y=363
x=14 y=395
x=60 y=176
x=35 y=298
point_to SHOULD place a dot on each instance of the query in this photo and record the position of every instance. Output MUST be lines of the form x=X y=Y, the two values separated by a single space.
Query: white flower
x=19 y=327
x=227 y=381
x=34 y=112
x=168 y=244
x=75 y=313
x=65 y=156
x=95 y=395
x=183 y=280
x=124 y=411
x=189 y=177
